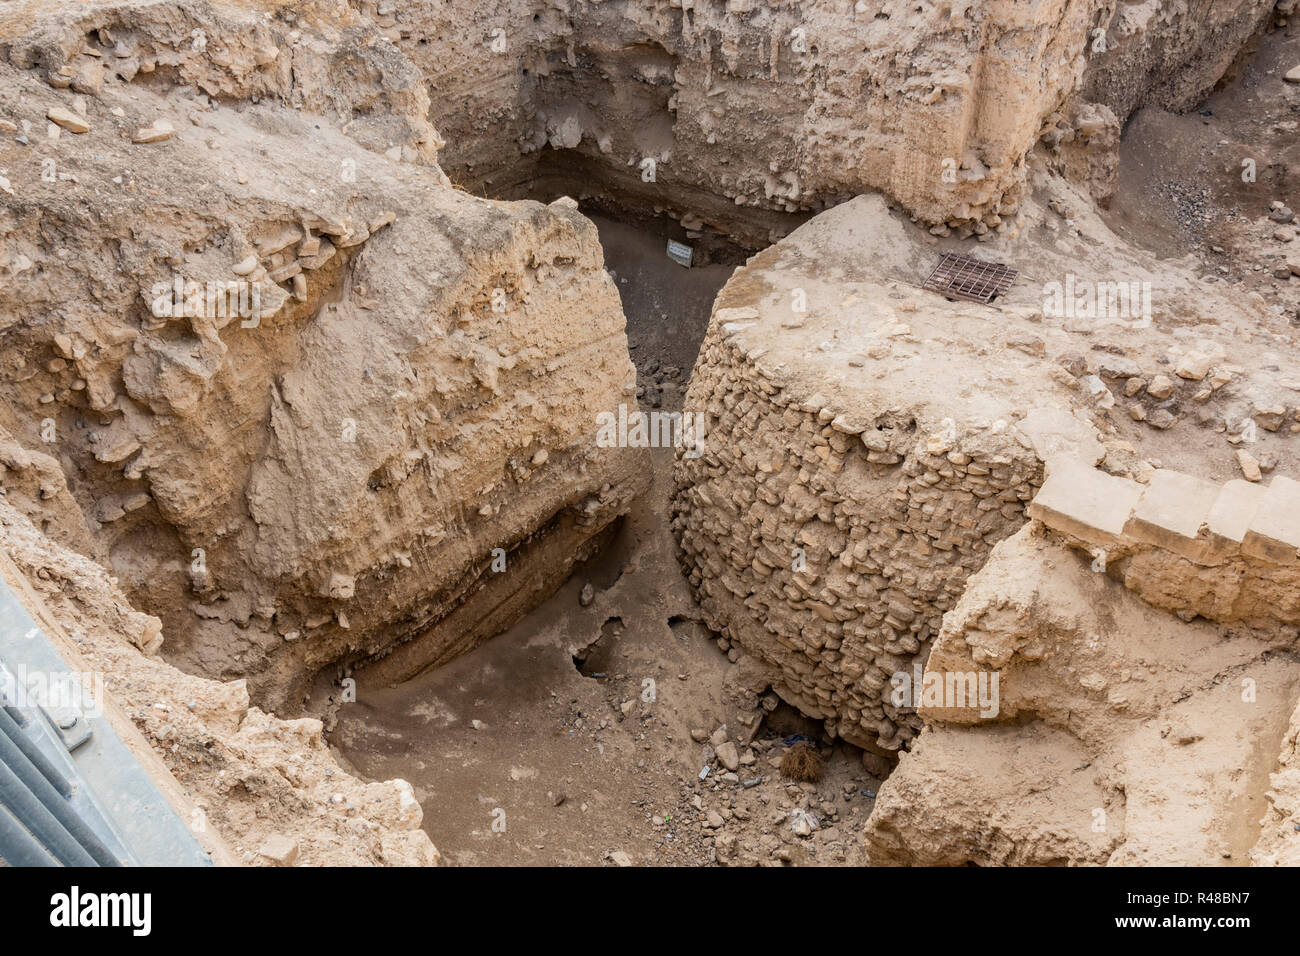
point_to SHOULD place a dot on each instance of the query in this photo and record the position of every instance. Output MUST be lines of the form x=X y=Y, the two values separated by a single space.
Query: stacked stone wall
x=828 y=542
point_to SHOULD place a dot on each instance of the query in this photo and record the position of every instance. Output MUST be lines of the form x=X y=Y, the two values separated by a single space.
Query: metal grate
x=961 y=277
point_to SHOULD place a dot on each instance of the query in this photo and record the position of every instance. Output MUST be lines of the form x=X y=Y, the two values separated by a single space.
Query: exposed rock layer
x=393 y=380
x=1122 y=735
x=787 y=107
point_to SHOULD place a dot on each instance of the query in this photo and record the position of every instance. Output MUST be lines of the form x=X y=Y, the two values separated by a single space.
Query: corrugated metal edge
x=143 y=800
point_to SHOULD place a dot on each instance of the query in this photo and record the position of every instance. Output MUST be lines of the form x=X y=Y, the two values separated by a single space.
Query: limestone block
x=1274 y=532
x=1171 y=511
x=1232 y=512
x=1086 y=503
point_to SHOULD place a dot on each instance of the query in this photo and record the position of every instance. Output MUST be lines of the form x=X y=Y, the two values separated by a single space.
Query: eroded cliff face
x=1168 y=53
x=1139 y=687
x=739 y=114
x=301 y=387
x=774 y=108
x=257 y=789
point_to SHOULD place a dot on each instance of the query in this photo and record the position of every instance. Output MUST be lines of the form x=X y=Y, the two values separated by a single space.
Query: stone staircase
x=1224 y=552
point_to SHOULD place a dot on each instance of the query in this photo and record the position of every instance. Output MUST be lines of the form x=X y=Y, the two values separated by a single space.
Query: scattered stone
x=160 y=130
x=1097 y=391
x=68 y=120
x=1221 y=376
x=1073 y=362
x=1193 y=366
x=1249 y=466
x=280 y=850
x=1162 y=386
x=728 y=756
x=1161 y=419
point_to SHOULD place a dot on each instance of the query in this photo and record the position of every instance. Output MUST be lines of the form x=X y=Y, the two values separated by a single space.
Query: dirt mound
x=252 y=782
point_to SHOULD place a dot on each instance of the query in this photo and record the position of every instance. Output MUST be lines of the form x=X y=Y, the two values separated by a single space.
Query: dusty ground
x=667 y=306
x=1181 y=195
x=1181 y=189
x=582 y=767
x=547 y=722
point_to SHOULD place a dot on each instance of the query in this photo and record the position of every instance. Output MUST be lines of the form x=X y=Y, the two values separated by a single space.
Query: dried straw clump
x=802 y=762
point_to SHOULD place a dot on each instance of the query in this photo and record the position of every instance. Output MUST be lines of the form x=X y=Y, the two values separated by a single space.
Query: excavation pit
x=382 y=517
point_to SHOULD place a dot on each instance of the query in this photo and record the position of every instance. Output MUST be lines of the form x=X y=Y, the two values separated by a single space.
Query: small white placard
x=680 y=253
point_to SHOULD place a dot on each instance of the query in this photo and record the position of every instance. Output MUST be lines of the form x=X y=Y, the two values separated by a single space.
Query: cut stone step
x=1274 y=533
x=1171 y=511
x=1232 y=513
x=1086 y=503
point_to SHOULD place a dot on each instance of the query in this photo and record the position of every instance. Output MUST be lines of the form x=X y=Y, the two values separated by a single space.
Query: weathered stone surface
x=1085 y=503
x=283 y=766
x=1233 y=511
x=1274 y=531
x=1171 y=511
x=796 y=105
x=1091 y=758
x=1167 y=53
x=1055 y=432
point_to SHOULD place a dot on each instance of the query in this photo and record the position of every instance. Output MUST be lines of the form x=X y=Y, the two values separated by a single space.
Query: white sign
x=680 y=253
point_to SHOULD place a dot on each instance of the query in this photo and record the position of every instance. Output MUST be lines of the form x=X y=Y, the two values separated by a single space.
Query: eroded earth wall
x=255 y=789
x=771 y=108
x=1169 y=53
x=302 y=389
x=1140 y=646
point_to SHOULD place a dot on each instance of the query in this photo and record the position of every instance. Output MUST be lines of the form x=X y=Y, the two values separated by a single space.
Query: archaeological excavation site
x=644 y=433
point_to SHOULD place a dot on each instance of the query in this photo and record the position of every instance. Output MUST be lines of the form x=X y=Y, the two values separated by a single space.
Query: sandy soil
x=1181 y=195
x=667 y=306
